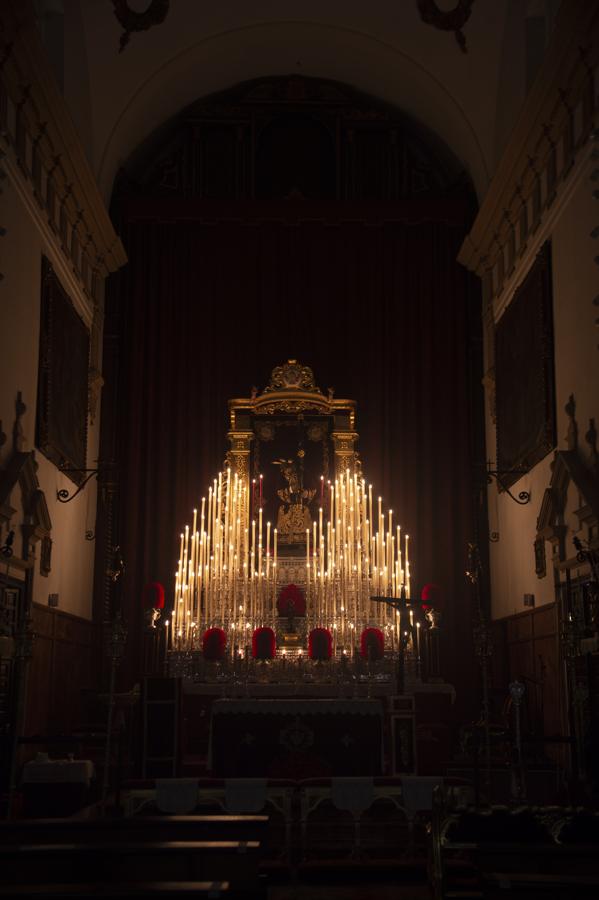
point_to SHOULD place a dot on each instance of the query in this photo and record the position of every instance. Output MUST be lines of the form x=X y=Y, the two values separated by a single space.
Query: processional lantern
x=291 y=515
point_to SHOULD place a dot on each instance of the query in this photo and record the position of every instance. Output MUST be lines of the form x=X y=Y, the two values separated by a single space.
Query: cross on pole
x=402 y=604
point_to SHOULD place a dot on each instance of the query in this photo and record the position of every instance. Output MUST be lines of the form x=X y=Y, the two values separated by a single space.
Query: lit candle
x=260 y=539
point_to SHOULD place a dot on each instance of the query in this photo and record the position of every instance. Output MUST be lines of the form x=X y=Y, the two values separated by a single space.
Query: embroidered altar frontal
x=274 y=738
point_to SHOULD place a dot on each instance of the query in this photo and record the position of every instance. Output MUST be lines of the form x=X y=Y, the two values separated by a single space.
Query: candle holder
x=483 y=649
x=517 y=691
x=115 y=649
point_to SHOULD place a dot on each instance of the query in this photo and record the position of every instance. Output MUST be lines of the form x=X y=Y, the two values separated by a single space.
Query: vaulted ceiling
x=469 y=100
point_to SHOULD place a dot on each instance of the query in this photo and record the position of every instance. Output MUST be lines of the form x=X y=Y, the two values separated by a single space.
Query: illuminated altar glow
x=228 y=574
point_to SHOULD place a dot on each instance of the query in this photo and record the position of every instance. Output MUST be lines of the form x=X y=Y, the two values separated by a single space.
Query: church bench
x=550 y=851
x=126 y=861
x=229 y=795
x=139 y=828
x=542 y=884
x=159 y=890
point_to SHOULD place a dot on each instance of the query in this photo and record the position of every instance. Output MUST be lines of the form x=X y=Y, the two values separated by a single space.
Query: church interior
x=299 y=468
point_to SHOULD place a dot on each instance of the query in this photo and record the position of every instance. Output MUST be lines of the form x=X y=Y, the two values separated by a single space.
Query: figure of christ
x=294 y=514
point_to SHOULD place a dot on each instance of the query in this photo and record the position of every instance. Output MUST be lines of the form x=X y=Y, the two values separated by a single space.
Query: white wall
x=576 y=339
x=20 y=262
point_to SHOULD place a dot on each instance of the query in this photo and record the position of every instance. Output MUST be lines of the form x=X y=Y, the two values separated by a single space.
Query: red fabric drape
x=377 y=307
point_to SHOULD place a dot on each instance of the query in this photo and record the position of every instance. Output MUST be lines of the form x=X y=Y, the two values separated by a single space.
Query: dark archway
x=342 y=257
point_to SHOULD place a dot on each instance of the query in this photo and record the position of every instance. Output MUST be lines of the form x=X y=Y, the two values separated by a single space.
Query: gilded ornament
x=292 y=377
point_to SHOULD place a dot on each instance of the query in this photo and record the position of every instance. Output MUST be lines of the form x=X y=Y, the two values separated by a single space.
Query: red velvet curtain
x=372 y=300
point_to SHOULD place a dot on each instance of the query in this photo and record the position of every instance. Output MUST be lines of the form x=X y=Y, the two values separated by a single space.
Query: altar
x=292 y=612
x=296 y=738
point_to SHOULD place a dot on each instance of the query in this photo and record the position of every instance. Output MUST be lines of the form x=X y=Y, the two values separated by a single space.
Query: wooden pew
x=501 y=862
x=540 y=884
x=166 y=890
x=139 y=828
x=122 y=862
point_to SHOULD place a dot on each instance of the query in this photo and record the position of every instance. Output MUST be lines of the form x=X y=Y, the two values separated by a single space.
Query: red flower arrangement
x=264 y=644
x=320 y=644
x=431 y=596
x=291 y=601
x=153 y=595
x=213 y=644
x=372 y=644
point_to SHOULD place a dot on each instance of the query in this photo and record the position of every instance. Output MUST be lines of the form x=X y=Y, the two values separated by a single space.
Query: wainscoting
x=526 y=646
x=62 y=667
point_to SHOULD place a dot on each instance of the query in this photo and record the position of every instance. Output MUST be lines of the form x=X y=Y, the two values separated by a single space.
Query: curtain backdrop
x=372 y=300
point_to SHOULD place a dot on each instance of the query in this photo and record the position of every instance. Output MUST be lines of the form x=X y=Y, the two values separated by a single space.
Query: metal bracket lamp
x=499 y=474
x=64 y=495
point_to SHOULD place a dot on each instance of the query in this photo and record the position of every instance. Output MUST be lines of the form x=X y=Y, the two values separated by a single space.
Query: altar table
x=296 y=738
x=56 y=787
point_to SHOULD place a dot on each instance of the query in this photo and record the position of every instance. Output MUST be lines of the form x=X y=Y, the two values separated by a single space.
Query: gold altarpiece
x=291 y=401
x=291 y=507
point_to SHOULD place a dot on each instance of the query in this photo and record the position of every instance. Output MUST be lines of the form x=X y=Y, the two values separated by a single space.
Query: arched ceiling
x=382 y=48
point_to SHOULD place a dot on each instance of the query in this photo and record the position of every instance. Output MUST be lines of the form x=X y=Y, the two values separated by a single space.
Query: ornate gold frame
x=291 y=390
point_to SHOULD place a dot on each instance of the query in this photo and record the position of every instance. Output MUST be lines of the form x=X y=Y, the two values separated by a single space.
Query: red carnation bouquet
x=264 y=644
x=431 y=596
x=213 y=644
x=291 y=601
x=153 y=595
x=320 y=644
x=372 y=644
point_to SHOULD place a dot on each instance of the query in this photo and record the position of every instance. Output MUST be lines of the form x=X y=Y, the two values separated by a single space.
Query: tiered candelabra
x=229 y=572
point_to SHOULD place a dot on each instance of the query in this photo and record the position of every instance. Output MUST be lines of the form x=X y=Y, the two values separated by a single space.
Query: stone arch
x=272 y=48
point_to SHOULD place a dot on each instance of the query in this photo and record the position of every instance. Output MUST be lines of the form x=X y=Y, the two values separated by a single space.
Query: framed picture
x=525 y=389
x=63 y=379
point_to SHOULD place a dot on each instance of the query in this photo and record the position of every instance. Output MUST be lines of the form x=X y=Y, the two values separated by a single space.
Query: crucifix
x=403 y=605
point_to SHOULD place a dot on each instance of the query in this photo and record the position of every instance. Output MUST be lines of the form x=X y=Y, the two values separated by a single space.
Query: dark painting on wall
x=63 y=378
x=525 y=389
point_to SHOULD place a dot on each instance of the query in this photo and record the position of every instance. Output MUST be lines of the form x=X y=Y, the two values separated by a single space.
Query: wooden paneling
x=61 y=668
x=526 y=646
x=519 y=627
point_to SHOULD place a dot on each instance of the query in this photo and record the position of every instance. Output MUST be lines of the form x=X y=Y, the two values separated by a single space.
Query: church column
x=345 y=453
x=238 y=458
